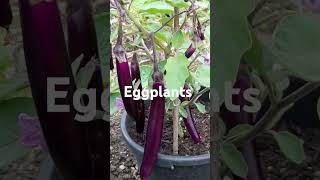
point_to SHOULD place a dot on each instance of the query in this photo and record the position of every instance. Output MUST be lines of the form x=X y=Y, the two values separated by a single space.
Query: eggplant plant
x=267 y=63
x=164 y=54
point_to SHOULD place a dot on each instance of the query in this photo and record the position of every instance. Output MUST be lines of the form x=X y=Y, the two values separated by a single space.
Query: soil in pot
x=186 y=145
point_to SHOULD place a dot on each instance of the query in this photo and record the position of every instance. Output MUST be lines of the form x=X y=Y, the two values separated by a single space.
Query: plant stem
x=176 y=19
x=174 y=16
x=273 y=115
x=176 y=127
x=142 y=30
x=196 y=97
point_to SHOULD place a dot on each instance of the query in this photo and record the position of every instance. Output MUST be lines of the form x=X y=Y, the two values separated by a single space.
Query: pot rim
x=163 y=159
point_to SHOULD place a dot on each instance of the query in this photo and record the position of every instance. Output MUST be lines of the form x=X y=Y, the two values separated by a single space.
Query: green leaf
x=101 y=23
x=290 y=145
x=177 y=39
x=201 y=108
x=183 y=112
x=10 y=147
x=145 y=71
x=231 y=39
x=85 y=74
x=239 y=130
x=9 y=86
x=234 y=160
x=296 y=45
x=157 y=7
x=177 y=73
x=113 y=98
x=178 y=3
x=76 y=64
x=254 y=55
x=202 y=75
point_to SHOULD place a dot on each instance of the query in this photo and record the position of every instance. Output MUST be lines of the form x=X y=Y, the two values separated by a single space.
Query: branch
x=142 y=30
x=175 y=144
x=273 y=115
x=196 y=97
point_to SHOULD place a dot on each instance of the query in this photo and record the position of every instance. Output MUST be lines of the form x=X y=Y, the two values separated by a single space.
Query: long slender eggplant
x=82 y=40
x=135 y=75
x=155 y=122
x=123 y=72
x=154 y=132
x=232 y=119
x=189 y=121
x=5 y=14
x=111 y=59
x=46 y=57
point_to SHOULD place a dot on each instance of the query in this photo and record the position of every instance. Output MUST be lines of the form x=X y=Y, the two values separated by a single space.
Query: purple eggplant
x=123 y=72
x=233 y=119
x=111 y=59
x=135 y=75
x=189 y=122
x=82 y=40
x=189 y=52
x=46 y=56
x=154 y=132
x=5 y=14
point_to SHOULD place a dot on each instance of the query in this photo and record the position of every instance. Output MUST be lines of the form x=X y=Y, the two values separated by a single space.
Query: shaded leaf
x=290 y=145
x=296 y=45
x=234 y=160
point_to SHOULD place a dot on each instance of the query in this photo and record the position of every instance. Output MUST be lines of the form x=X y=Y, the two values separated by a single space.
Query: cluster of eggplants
x=135 y=109
x=189 y=121
x=154 y=129
x=82 y=40
x=135 y=75
x=46 y=56
x=233 y=119
x=5 y=14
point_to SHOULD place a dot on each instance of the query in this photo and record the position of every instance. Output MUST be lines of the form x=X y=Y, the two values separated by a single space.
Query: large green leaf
x=177 y=72
x=157 y=7
x=290 y=145
x=178 y=3
x=113 y=98
x=296 y=45
x=177 y=39
x=234 y=160
x=10 y=148
x=101 y=22
x=145 y=71
x=202 y=75
x=231 y=39
x=239 y=130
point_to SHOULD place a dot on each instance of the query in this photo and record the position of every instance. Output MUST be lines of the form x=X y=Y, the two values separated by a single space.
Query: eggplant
x=82 y=39
x=233 y=119
x=135 y=75
x=111 y=59
x=154 y=132
x=189 y=52
x=189 y=122
x=46 y=56
x=123 y=72
x=5 y=14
